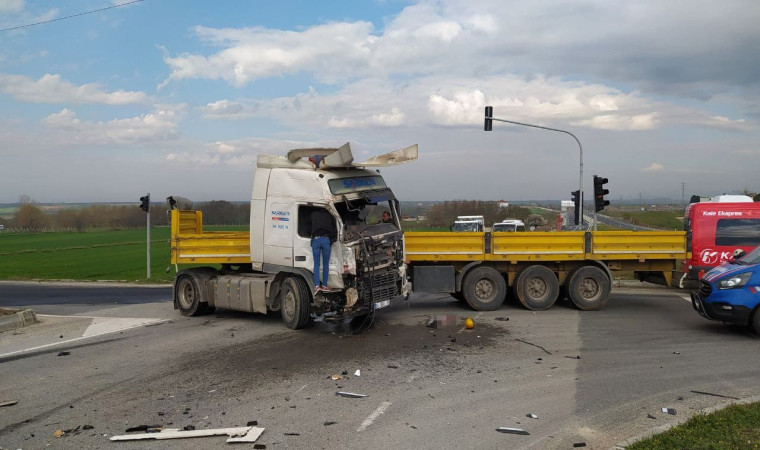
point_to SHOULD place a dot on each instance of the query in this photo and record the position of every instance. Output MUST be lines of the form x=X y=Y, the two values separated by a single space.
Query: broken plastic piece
x=328 y=423
x=579 y=444
x=10 y=403
x=176 y=434
x=503 y=319
x=64 y=353
x=336 y=377
x=143 y=428
x=670 y=411
x=531 y=415
x=251 y=436
x=358 y=373
x=350 y=395
x=512 y=430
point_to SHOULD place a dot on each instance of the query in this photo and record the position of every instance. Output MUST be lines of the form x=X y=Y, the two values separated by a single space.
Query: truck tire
x=589 y=288
x=295 y=303
x=484 y=289
x=190 y=301
x=537 y=288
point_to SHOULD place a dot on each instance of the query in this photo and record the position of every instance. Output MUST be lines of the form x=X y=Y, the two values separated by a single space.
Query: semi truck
x=270 y=267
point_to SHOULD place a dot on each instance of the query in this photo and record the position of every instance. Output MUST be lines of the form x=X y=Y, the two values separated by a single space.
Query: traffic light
x=145 y=203
x=577 y=202
x=599 y=193
x=489 y=123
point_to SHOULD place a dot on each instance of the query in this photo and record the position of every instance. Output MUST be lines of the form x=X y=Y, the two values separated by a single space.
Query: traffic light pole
x=489 y=114
x=148 y=239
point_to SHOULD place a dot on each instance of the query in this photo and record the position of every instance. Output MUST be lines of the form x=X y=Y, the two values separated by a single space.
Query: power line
x=69 y=17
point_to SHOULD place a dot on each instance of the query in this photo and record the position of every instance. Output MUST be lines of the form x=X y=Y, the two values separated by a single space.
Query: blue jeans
x=321 y=245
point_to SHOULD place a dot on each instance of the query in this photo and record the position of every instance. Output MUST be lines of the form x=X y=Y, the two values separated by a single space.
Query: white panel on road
x=105 y=325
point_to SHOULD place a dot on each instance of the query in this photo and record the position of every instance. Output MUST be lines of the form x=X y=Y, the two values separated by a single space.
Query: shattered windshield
x=362 y=217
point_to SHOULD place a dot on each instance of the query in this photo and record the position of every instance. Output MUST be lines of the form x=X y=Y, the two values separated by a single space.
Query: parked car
x=731 y=292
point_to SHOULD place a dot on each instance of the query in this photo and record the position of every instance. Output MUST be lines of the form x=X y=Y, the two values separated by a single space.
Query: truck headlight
x=735 y=281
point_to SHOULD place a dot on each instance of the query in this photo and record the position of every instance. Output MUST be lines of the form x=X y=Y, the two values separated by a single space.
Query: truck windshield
x=466 y=226
x=365 y=217
x=356 y=184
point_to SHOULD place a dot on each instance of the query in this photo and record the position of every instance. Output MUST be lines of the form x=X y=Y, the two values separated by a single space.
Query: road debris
x=328 y=423
x=469 y=323
x=8 y=403
x=432 y=323
x=502 y=319
x=700 y=392
x=676 y=353
x=237 y=432
x=252 y=423
x=291 y=434
x=536 y=345
x=350 y=394
x=574 y=357
x=259 y=446
x=358 y=373
x=145 y=428
x=390 y=366
x=337 y=377
x=670 y=411
x=579 y=444
x=64 y=353
x=251 y=436
x=649 y=416
x=512 y=430
x=531 y=415
x=58 y=433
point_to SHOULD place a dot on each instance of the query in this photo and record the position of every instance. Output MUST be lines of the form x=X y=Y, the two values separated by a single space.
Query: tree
x=30 y=217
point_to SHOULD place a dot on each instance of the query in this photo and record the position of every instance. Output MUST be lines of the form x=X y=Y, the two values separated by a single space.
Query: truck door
x=278 y=232
x=303 y=256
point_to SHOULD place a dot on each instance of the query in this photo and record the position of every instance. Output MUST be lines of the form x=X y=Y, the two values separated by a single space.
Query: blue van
x=731 y=292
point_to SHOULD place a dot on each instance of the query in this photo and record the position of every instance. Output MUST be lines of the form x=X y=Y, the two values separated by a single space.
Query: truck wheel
x=189 y=296
x=484 y=289
x=295 y=303
x=589 y=288
x=537 y=288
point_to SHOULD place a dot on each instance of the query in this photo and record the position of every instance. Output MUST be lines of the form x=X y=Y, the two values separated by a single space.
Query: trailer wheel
x=484 y=289
x=537 y=288
x=589 y=288
x=189 y=296
x=295 y=303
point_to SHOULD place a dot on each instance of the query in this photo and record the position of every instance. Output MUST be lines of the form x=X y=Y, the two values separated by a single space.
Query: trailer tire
x=295 y=303
x=484 y=289
x=189 y=296
x=537 y=288
x=589 y=288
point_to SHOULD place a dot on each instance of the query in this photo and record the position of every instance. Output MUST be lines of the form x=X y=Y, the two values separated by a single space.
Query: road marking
x=372 y=417
x=99 y=327
x=685 y=297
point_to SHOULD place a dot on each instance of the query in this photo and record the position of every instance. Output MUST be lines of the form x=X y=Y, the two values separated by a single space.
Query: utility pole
x=683 y=193
x=145 y=206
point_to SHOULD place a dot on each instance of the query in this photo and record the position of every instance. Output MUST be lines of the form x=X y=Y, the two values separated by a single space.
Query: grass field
x=670 y=219
x=735 y=427
x=90 y=256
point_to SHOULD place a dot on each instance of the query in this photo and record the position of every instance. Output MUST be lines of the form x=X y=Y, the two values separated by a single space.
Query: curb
x=622 y=445
x=20 y=319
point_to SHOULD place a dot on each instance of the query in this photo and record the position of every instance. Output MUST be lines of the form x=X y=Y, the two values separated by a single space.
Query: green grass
x=735 y=427
x=89 y=256
x=671 y=219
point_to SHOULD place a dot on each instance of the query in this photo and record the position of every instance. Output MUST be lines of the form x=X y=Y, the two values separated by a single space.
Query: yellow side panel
x=190 y=245
x=639 y=245
x=444 y=246
x=537 y=246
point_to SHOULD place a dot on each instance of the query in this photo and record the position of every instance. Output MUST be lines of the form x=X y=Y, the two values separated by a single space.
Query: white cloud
x=156 y=126
x=11 y=6
x=240 y=154
x=654 y=167
x=225 y=109
x=51 y=89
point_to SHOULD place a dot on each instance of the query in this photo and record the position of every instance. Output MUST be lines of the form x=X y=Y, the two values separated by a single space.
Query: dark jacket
x=323 y=224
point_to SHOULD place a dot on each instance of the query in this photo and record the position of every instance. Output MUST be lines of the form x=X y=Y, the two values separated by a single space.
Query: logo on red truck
x=712 y=257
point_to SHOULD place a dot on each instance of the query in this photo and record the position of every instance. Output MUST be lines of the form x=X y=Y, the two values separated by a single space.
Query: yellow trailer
x=478 y=267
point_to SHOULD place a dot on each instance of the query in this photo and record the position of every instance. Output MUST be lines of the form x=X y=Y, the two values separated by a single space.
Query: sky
x=179 y=97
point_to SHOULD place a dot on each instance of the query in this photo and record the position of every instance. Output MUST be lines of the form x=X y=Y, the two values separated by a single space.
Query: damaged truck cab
x=275 y=271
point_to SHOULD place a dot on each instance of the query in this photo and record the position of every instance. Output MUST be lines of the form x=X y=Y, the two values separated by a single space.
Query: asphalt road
x=426 y=388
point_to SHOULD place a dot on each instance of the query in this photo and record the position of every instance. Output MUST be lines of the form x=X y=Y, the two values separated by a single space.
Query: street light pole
x=489 y=117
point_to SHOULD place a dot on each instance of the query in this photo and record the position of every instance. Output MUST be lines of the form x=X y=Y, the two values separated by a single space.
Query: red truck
x=715 y=230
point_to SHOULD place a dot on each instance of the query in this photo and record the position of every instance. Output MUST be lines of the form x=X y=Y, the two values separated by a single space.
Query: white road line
x=372 y=417
x=98 y=332
x=685 y=297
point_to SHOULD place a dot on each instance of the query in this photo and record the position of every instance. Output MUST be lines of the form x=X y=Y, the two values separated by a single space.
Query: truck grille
x=704 y=288
x=382 y=285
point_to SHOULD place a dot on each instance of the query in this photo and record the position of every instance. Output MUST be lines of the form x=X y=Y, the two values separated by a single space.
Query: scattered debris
x=670 y=411
x=88 y=427
x=337 y=377
x=64 y=353
x=579 y=444
x=390 y=366
x=432 y=323
x=698 y=392
x=649 y=416
x=259 y=446
x=530 y=343
x=188 y=428
x=531 y=415
x=574 y=357
x=251 y=436
x=358 y=373
x=345 y=372
x=9 y=403
x=58 y=433
x=469 y=323
x=238 y=432
x=676 y=353
x=252 y=423
x=145 y=429
x=503 y=319
x=350 y=394
x=328 y=423
x=292 y=434
x=512 y=430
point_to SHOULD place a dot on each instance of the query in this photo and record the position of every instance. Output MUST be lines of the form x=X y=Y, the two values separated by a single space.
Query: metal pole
x=148 y=239
x=580 y=180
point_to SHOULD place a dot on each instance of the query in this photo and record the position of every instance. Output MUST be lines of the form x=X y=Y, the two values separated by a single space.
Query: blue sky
x=179 y=97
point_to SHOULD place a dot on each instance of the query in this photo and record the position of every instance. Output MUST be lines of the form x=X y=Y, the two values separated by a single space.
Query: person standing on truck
x=323 y=234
